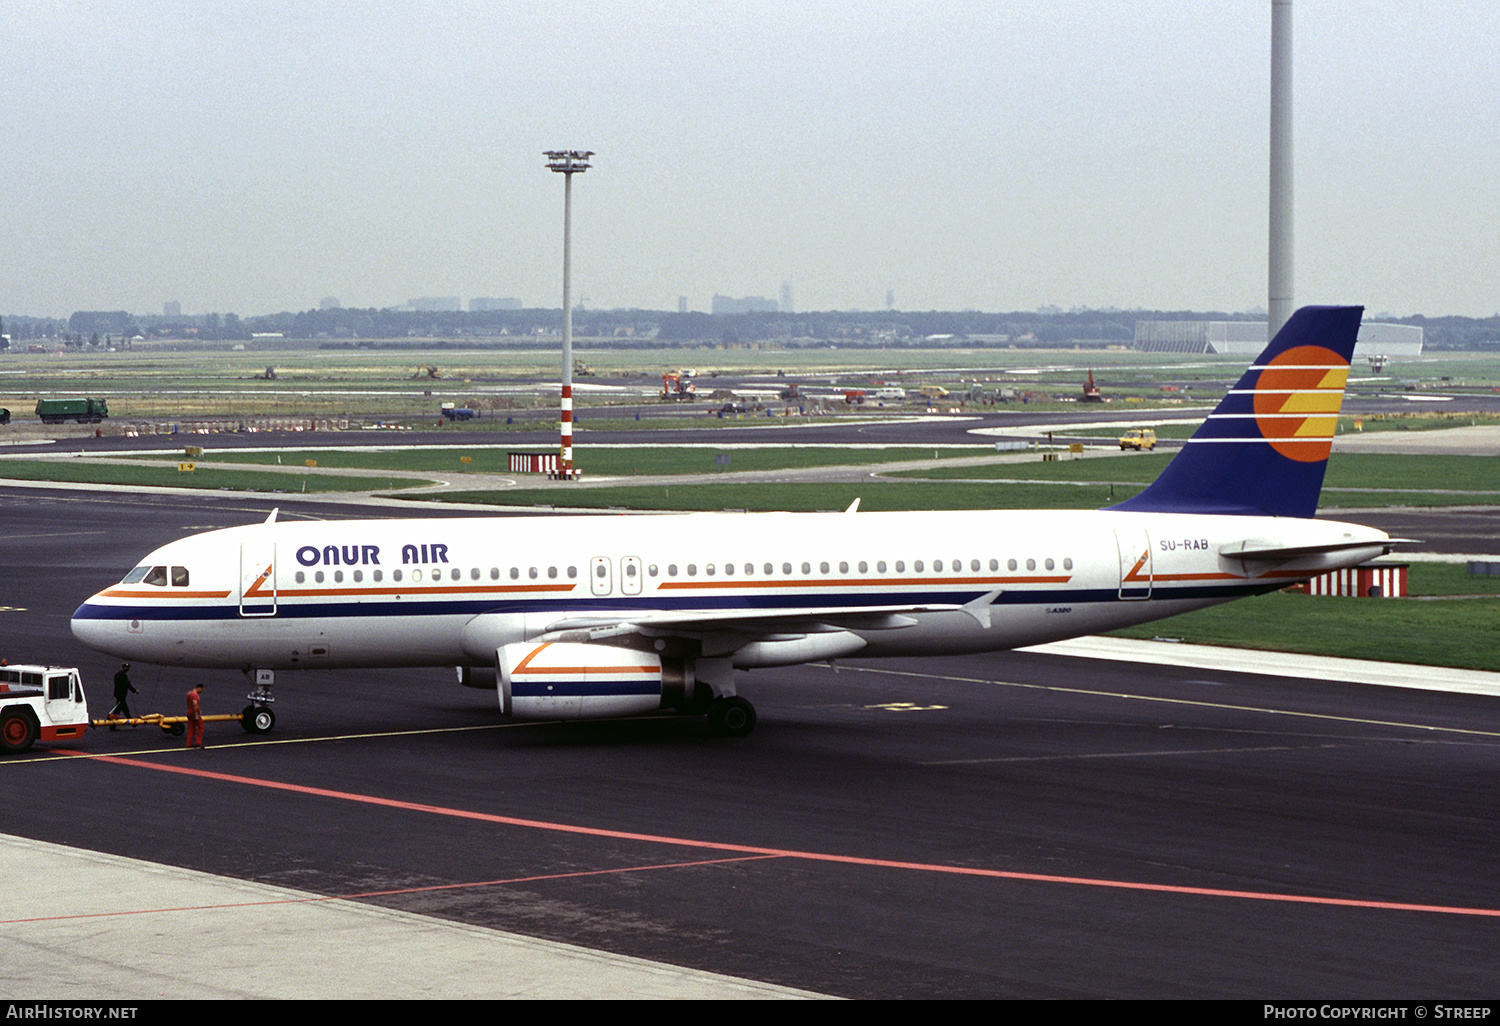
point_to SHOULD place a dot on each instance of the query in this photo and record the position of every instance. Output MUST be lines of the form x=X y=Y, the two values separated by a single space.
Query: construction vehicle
x=455 y=412
x=1091 y=392
x=429 y=370
x=675 y=387
x=84 y=411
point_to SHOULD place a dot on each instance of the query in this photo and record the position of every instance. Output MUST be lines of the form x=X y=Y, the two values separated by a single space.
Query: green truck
x=85 y=411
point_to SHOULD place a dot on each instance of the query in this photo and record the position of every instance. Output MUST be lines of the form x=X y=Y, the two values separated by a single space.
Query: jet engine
x=569 y=681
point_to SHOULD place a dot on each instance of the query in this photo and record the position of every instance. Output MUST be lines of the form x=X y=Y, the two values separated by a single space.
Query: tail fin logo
x=1297 y=398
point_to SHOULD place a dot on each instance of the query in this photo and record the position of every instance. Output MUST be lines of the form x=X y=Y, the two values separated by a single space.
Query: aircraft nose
x=94 y=631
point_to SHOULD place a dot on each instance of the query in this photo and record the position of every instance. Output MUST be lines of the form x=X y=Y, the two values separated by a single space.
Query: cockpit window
x=160 y=576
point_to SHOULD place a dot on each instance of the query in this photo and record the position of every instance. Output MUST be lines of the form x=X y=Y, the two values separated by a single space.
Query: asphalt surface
x=1015 y=825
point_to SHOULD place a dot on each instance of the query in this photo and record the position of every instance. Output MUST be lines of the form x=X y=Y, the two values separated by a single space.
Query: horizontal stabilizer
x=1265 y=550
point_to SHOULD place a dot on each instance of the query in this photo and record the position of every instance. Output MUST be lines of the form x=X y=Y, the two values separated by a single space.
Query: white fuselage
x=451 y=592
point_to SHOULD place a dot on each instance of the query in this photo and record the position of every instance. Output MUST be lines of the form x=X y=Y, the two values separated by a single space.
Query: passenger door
x=258 y=578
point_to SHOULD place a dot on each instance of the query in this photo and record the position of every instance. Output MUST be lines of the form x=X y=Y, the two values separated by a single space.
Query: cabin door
x=1135 y=563
x=258 y=578
x=630 y=575
x=600 y=578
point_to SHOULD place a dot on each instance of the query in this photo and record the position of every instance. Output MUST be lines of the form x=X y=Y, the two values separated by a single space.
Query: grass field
x=1458 y=632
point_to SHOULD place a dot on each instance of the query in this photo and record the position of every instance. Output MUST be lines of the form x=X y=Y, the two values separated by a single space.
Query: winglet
x=1263 y=450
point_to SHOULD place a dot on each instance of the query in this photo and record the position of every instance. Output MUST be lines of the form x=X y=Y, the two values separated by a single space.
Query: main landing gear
x=731 y=716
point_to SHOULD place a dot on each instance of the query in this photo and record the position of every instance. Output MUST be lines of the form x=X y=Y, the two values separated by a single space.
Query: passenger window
x=917 y=566
x=1049 y=563
x=900 y=566
x=572 y=573
x=377 y=575
x=301 y=577
x=1010 y=564
x=531 y=572
x=843 y=566
x=1031 y=564
x=1068 y=563
x=786 y=568
x=416 y=575
x=880 y=566
x=769 y=569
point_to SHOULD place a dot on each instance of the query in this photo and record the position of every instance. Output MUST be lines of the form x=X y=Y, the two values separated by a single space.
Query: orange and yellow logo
x=1297 y=399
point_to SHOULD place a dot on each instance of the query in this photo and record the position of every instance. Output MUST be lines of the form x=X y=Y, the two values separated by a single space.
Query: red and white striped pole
x=567 y=163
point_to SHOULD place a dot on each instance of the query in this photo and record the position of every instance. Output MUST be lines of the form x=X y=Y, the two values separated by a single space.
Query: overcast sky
x=257 y=156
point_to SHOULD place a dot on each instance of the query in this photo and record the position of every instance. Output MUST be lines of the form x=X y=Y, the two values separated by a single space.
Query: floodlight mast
x=567 y=163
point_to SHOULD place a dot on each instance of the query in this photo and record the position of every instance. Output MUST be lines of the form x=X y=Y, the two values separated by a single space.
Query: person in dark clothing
x=123 y=691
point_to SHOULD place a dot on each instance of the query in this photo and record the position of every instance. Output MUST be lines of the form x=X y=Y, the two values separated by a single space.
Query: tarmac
x=94 y=927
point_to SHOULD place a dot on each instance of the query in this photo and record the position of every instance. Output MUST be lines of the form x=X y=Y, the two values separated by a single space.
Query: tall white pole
x=1279 y=277
x=567 y=163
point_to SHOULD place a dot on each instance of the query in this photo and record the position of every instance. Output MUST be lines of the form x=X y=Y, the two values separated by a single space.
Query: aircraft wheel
x=257 y=719
x=731 y=717
x=18 y=732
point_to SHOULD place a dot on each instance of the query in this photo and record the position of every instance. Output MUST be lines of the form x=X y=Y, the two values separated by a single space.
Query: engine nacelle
x=569 y=681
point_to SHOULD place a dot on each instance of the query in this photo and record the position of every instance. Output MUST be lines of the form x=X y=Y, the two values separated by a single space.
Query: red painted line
x=747 y=849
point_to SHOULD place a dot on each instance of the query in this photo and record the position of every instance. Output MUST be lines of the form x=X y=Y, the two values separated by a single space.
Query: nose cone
x=94 y=628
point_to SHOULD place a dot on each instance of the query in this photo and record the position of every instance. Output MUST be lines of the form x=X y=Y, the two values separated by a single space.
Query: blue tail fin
x=1264 y=448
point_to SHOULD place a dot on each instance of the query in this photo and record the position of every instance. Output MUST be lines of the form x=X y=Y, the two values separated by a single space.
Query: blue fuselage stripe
x=291 y=608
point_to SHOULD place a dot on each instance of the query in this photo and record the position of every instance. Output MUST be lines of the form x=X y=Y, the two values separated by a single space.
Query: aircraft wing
x=749 y=624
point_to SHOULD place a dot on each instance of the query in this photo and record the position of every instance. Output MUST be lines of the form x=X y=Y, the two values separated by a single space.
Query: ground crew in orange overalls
x=195 y=717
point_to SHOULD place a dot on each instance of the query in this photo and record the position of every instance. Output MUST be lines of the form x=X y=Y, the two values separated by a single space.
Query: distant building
x=330 y=303
x=786 y=297
x=749 y=304
x=1248 y=338
x=484 y=305
x=682 y=304
x=171 y=308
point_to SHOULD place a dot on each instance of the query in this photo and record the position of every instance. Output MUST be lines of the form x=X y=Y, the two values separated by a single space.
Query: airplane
x=570 y=617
